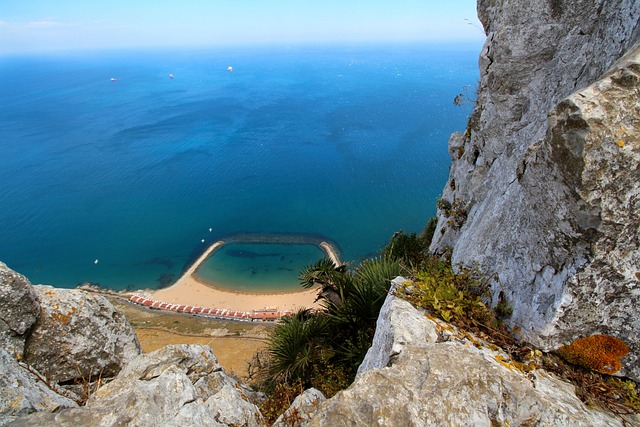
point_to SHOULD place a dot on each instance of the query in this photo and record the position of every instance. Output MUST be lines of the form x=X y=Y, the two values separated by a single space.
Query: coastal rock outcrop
x=302 y=409
x=52 y=338
x=19 y=310
x=78 y=337
x=178 y=385
x=543 y=188
x=22 y=392
x=444 y=380
x=396 y=328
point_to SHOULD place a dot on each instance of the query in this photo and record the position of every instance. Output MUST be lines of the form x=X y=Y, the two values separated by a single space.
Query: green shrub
x=454 y=297
x=296 y=345
x=410 y=249
x=323 y=349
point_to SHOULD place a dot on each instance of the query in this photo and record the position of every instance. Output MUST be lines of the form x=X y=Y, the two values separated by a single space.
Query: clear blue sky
x=42 y=25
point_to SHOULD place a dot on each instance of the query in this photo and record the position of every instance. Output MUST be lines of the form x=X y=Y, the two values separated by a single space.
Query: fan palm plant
x=306 y=342
x=297 y=344
x=328 y=276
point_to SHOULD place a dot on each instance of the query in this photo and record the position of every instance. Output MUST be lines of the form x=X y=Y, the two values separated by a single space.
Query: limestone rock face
x=18 y=310
x=545 y=180
x=302 y=409
x=399 y=324
x=178 y=385
x=78 y=336
x=22 y=393
x=434 y=383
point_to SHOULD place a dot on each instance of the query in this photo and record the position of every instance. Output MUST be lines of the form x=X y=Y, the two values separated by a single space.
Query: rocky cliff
x=69 y=358
x=544 y=189
x=423 y=372
x=418 y=371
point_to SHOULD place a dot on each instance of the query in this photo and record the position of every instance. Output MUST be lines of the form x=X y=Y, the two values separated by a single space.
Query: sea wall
x=543 y=189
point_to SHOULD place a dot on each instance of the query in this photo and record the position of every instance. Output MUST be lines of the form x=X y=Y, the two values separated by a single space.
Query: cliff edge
x=544 y=186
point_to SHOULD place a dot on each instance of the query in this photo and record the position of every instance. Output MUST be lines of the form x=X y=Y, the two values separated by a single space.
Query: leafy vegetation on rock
x=323 y=349
x=460 y=296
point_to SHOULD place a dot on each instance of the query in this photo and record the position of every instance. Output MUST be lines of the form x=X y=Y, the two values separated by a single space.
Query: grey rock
x=455 y=383
x=177 y=385
x=302 y=409
x=551 y=200
x=399 y=324
x=22 y=392
x=78 y=336
x=18 y=310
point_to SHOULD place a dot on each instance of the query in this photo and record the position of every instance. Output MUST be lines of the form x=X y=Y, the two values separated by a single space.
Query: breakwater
x=329 y=248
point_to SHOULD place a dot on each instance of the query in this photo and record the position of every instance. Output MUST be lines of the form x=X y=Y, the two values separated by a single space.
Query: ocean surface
x=117 y=182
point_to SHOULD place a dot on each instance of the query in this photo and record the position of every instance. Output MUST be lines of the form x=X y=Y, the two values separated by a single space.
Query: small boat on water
x=113 y=79
x=170 y=76
x=230 y=69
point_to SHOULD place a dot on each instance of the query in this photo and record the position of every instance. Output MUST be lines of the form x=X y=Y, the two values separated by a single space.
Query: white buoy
x=95 y=261
x=210 y=229
x=202 y=240
x=229 y=69
x=170 y=76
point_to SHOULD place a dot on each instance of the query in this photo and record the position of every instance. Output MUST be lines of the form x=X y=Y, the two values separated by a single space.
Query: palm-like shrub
x=339 y=335
x=362 y=293
x=297 y=344
x=411 y=249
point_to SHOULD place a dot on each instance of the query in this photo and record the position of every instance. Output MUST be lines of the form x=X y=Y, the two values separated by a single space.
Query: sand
x=232 y=353
x=189 y=291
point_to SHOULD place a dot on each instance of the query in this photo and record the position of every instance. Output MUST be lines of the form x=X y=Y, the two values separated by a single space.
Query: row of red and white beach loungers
x=248 y=316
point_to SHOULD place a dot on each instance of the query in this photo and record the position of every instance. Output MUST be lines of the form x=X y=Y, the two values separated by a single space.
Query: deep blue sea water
x=344 y=142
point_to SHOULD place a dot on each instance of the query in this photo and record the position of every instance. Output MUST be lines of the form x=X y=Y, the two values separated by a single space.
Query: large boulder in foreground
x=19 y=310
x=51 y=339
x=23 y=392
x=78 y=337
x=178 y=385
x=442 y=379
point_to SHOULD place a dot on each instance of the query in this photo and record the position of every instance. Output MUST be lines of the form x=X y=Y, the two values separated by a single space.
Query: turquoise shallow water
x=256 y=267
x=348 y=143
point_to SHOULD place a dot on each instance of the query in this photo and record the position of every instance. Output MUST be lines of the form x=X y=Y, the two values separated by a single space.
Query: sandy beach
x=191 y=292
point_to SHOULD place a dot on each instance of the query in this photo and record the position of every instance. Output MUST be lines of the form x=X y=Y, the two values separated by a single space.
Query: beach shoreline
x=194 y=291
x=190 y=291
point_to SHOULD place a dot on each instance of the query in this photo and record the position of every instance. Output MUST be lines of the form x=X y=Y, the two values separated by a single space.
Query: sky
x=50 y=25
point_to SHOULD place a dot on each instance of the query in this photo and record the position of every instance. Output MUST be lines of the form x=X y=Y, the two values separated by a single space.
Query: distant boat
x=95 y=261
x=170 y=76
x=113 y=79
x=229 y=69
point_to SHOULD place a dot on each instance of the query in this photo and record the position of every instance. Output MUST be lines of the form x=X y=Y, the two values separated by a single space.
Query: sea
x=119 y=168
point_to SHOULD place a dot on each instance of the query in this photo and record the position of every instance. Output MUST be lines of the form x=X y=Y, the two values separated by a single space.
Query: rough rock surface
x=399 y=324
x=178 y=385
x=78 y=336
x=433 y=383
x=545 y=180
x=302 y=409
x=22 y=393
x=18 y=310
